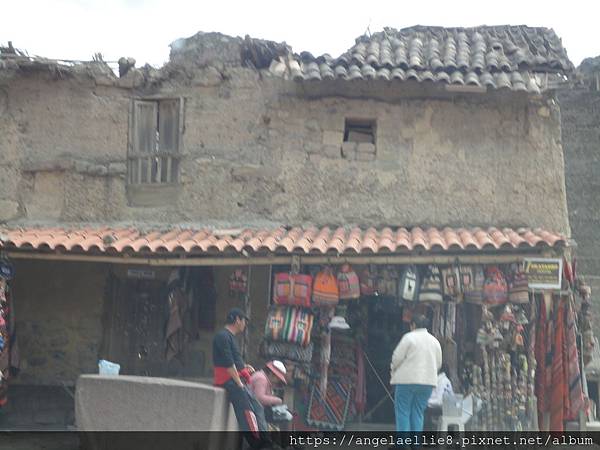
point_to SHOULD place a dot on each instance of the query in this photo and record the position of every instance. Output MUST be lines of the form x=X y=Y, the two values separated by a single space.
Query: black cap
x=234 y=313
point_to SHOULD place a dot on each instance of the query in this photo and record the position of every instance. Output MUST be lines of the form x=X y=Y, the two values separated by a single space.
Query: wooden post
x=248 y=312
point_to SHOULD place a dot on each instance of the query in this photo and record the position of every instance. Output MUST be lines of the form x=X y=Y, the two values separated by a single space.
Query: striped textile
x=540 y=356
x=575 y=392
x=329 y=412
x=559 y=388
x=289 y=324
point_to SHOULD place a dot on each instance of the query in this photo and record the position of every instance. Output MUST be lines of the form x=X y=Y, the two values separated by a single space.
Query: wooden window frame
x=355 y=124
x=155 y=167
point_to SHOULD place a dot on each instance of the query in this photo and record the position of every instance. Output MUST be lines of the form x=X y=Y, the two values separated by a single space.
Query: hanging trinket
x=521 y=317
x=518 y=344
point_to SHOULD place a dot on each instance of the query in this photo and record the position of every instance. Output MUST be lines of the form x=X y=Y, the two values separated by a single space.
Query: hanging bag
x=431 y=287
x=348 y=283
x=238 y=282
x=495 y=289
x=518 y=292
x=325 y=288
x=474 y=293
x=368 y=281
x=408 y=288
x=451 y=281
x=292 y=289
x=466 y=280
x=289 y=324
x=387 y=281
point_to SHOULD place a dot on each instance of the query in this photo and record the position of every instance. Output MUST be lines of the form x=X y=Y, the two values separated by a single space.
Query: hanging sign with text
x=544 y=273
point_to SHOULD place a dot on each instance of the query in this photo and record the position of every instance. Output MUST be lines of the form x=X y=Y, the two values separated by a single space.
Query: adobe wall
x=58 y=311
x=259 y=149
x=581 y=142
x=63 y=323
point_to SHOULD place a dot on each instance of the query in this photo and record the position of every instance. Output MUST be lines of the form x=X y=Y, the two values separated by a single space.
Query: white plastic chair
x=457 y=411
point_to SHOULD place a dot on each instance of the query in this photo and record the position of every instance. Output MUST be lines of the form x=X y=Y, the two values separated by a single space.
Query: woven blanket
x=289 y=324
x=286 y=350
x=330 y=412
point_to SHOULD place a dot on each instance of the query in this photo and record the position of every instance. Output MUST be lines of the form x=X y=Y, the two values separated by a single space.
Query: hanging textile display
x=178 y=328
x=9 y=360
x=329 y=411
x=289 y=324
x=513 y=349
x=575 y=395
x=287 y=350
x=559 y=388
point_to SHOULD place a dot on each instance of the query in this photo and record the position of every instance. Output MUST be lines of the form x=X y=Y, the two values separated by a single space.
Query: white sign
x=544 y=273
x=141 y=274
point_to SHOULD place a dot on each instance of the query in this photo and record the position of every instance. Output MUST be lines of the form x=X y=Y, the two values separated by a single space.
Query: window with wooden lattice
x=155 y=133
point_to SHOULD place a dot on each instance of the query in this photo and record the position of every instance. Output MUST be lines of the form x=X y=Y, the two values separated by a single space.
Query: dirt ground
x=39 y=441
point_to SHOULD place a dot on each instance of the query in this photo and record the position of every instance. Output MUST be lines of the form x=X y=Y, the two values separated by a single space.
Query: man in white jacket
x=415 y=364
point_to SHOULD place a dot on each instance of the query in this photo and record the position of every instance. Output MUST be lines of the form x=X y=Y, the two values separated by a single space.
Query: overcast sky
x=143 y=29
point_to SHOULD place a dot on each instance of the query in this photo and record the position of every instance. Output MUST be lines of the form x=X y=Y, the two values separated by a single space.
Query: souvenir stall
x=336 y=328
x=9 y=362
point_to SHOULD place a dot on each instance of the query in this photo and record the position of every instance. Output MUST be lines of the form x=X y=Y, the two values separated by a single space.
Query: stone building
x=420 y=143
x=580 y=120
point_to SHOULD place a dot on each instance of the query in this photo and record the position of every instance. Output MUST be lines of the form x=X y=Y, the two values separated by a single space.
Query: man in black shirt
x=230 y=369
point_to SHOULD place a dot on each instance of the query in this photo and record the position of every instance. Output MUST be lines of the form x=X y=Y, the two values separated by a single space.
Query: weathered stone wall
x=58 y=310
x=580 y=109
x=61 y=331
x=258 y=149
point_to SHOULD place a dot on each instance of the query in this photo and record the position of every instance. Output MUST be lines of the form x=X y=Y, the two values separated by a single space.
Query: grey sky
x=143 y=29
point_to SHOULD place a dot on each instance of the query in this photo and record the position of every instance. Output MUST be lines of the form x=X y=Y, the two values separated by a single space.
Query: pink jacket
x=261 y=386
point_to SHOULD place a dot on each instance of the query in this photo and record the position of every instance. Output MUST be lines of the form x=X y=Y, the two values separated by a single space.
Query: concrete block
x=349 y=150
x=544 y=111
x=365 y=156
x=334 y=138
x=8 y=210
x=117 y=168
x=332 y=151
x=131 y=403
x=313 y=125
x=366 y=147
x=253 y=172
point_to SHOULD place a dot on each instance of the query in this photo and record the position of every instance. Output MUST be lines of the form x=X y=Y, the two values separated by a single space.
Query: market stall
x=509 y=340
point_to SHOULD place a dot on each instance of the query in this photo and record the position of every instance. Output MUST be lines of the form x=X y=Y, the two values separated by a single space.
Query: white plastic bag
x=108 y=368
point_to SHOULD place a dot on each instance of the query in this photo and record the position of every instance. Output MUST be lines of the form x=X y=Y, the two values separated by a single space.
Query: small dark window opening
x=359 y=130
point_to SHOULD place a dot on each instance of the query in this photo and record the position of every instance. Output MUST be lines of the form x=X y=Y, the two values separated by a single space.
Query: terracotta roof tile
x=278 y=240
x=498 y=57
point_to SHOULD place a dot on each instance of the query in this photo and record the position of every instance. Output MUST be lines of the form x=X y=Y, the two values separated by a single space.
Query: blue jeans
x=410 y=401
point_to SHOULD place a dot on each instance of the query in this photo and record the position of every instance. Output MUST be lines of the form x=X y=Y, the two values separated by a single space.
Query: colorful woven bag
x=451 y=281
x=289 y=324
x=474 y=293
x=431 y=288
x=519 y=288
x=238 y=282
x=292 y=289
x=348 y=283
x=368 y=281
x=495 y=289
x=325 y=288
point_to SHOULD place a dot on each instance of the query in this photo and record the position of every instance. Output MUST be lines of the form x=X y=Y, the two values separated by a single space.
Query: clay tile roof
x=297 y=240
x=498 y=57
